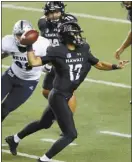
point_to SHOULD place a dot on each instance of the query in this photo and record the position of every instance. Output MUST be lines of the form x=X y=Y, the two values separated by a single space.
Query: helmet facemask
x=54 y=16
x=70 y=33
x=54 y=11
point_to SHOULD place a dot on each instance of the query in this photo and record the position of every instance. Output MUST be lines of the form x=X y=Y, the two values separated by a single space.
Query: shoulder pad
x=86 y=46
x=56 y=51
x=42 y=23
x=8 y=43
x=43 y=17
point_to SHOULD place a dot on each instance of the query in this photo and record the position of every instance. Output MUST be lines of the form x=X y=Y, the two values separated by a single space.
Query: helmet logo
x=67 y=28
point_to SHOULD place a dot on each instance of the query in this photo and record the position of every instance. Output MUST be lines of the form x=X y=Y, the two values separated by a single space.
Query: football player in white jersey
x=20 y=80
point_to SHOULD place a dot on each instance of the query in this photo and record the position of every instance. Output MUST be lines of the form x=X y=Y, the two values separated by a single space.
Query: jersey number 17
x=75 y=71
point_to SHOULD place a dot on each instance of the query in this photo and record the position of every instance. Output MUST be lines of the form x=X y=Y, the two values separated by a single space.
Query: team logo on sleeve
x=46 y=30
x=68 y=55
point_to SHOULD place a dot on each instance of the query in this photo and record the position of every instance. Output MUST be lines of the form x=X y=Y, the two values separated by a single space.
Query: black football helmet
x=127 y=4
x=52 y=6
x=70 y=33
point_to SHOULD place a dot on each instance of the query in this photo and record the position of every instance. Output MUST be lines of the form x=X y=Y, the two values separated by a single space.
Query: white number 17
x=76 y=68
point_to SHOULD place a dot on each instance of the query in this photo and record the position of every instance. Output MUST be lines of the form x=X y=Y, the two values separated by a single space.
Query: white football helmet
x=19 y=28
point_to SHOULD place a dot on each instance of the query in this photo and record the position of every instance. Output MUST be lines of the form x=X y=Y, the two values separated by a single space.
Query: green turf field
x=100 y=107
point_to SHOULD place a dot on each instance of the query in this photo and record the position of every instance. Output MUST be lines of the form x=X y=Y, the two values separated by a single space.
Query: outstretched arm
x=32 y=59
x=127 y=42
x=101 y=65
x=36 y=60
x=108 y=66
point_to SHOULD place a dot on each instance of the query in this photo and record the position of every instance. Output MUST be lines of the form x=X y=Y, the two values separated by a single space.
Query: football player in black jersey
x=71 y=60
x=128 y=41
x=54 y=15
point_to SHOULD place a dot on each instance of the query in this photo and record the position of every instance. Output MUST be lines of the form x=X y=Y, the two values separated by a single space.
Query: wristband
x=29 y=48
x=114 y=67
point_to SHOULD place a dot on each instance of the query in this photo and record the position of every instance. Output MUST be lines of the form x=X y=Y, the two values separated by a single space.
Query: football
x=29 y=37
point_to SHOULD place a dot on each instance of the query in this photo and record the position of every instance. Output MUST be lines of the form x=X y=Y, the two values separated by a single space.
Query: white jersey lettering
x=20 y=65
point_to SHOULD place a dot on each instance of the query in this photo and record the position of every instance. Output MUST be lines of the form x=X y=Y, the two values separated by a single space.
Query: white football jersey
x=20 y=62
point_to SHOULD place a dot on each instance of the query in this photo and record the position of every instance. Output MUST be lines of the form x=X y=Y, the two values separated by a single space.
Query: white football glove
x=46 y=68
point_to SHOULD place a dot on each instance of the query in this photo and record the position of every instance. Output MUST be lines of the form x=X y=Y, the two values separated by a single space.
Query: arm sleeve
x=46 y=59
x=91 y=58
x=50 y=56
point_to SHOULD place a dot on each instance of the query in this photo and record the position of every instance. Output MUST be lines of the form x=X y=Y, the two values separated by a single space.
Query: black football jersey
x=49 y=30
x=71 y=67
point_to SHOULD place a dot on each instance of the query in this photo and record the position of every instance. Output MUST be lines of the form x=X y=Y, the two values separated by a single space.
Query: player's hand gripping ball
x=29 y=37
